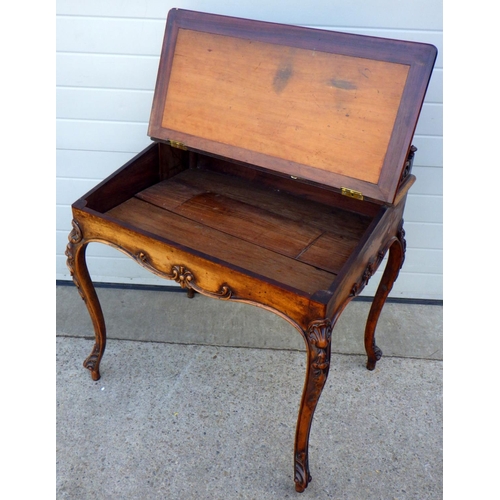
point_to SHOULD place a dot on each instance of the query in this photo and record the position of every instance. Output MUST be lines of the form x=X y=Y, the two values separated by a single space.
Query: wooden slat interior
x=296 y=242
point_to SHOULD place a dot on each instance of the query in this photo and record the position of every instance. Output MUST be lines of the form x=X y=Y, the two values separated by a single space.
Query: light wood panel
x=328 y=111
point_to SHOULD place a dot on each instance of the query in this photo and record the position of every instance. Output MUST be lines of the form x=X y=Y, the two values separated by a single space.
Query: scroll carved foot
x=302 y=475
x=373 y=357
x=75 y=253
x=92 y=362
x=391 y=272
x=318 y=339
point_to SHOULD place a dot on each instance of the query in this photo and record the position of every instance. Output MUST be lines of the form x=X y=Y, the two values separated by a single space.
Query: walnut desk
x=277 y=176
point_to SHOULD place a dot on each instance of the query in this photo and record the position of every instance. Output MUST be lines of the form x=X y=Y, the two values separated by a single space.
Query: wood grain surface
x=328 y=111
x=248 y=226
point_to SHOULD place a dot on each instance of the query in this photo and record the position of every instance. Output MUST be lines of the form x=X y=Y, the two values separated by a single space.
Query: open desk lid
x=333 y=108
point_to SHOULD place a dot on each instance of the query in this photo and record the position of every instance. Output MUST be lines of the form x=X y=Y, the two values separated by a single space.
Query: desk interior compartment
x=199 y=201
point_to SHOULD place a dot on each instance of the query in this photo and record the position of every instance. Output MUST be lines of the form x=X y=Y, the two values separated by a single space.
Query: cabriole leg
x=75 y=252
x=391 y=272
x=318 y=340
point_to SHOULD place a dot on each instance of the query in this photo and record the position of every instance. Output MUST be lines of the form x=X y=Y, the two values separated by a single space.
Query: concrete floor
x=198 y=399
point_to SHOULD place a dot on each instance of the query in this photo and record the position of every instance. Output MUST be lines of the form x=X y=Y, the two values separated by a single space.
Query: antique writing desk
x=277 y=177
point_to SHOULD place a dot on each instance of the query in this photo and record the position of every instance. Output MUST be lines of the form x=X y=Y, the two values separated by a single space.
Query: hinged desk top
x=333 y=108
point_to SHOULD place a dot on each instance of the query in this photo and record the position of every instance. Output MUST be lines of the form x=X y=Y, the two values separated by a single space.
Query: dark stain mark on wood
x=282 y=77
x=342 y=84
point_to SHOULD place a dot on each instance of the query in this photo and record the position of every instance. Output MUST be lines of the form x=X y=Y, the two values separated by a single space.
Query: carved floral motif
x=367 y=274
x=408 y=164
x=319 y=334
x=401 y=237
x=74 y=238
x=184 y=277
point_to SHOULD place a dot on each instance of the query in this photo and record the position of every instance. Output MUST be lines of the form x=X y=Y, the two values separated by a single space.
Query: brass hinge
x=352 y=193
x=177 y=144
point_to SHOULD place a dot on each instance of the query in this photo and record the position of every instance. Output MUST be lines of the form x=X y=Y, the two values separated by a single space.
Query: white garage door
x=107 y=57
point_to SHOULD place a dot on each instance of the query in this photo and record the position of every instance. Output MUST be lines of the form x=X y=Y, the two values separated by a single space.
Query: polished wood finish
x=234 y=222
